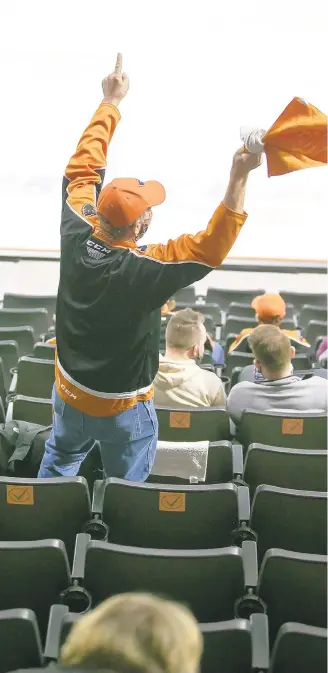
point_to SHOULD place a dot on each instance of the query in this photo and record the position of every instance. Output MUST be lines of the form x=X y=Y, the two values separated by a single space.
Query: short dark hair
x=270 y=346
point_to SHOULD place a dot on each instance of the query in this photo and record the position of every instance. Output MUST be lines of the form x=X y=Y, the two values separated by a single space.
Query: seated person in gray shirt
x=280 y=389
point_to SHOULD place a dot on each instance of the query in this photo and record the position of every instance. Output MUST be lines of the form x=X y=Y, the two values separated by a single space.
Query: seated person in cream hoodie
x=180 y=382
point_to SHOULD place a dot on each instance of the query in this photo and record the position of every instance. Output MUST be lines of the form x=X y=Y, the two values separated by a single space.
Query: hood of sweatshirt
x=173 y=373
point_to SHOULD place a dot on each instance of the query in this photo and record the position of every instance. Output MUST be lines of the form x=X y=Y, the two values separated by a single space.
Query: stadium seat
x=234 y=325
x=20 y=640
x=33 y=378
x=312 y=313
x=192 y=424
x=224 y=464
x=209 y=581
x=54 y=508
x=213 y=310
x=24 y=336
x=300 y=299
x=23 y=301
x=33 y=575
x=246 y=311
x=294 y=429
x=238 y=359
x=35 y=318
x=300 y=648
x=192 y=517
x=31 y=409
x=236 y=646
x=186 y=294
x=294 y=588
x=289 y=519
x=225 y=297
x=44 y=351
x=240 y=310
x=315 y=329
x=9 y=357
x=286 y=468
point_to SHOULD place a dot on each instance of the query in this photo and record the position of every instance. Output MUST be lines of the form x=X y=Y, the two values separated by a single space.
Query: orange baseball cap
x=269 y=306
x=123 y=200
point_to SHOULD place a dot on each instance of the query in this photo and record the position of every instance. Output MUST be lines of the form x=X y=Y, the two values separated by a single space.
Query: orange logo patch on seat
x=172 y=502
x=179 y=419
x=292 y=426
x=20 y=495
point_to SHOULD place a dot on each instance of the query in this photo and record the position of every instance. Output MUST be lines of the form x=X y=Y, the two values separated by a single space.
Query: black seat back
x=209 y=581
x=44 y=351
x=297 y=430
x=24 y=337
x=288 y=468
x=185 y=517
x=294 y=587
x=193 y=425
x=31 y=409
x=186 y=294
x=299 y=299
x=300 y=648
x=227 y=647
x=234 y=324
x=289 y=519
x=35 y=318
x=20 y=640
x=32 y=575
x=225 y=297
x=309 y=312
x=56 y=508
x=31 y=301
x=9 y=357
x=315 y=329
x=35 y=377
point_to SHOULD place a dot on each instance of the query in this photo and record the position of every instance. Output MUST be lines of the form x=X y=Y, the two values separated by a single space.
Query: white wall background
x=198 y=70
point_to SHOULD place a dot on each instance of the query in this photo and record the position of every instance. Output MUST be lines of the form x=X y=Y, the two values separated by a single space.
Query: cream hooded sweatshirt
x=182 y=383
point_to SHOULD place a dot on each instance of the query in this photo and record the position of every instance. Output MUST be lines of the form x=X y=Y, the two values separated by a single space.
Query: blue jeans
x=127 y=441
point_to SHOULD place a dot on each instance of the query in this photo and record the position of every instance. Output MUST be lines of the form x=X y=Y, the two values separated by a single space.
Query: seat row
x=217 y=584
x=221 y=296
x=300 y=430
x=178 y=517
x=224 y=297
x=229 y=646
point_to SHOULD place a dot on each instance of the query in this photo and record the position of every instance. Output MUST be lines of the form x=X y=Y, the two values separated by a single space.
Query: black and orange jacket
x=108 y=309
x=241 y=340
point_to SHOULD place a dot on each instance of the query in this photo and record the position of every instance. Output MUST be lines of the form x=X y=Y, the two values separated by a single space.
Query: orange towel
x=297 y=139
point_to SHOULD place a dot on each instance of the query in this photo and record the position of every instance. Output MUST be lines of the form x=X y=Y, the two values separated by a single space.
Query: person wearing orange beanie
x=270 y=309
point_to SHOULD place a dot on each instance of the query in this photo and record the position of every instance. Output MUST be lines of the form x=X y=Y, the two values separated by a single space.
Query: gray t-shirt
x=290 y=393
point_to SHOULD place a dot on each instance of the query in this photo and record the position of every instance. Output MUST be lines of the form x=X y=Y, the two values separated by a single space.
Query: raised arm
x=167 y=267
x=211 y=246
x=85 y=171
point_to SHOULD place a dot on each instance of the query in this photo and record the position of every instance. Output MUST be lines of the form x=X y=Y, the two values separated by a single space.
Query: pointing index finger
x=118 y=66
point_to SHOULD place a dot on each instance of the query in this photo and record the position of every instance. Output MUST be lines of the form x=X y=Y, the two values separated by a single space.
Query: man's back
x=287 y=393
x=181 y=383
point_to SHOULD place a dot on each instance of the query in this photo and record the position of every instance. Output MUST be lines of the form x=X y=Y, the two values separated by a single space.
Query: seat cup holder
x=76 y=598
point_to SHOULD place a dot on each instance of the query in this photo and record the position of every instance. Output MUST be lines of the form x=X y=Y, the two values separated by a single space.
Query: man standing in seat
x=110 y=296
